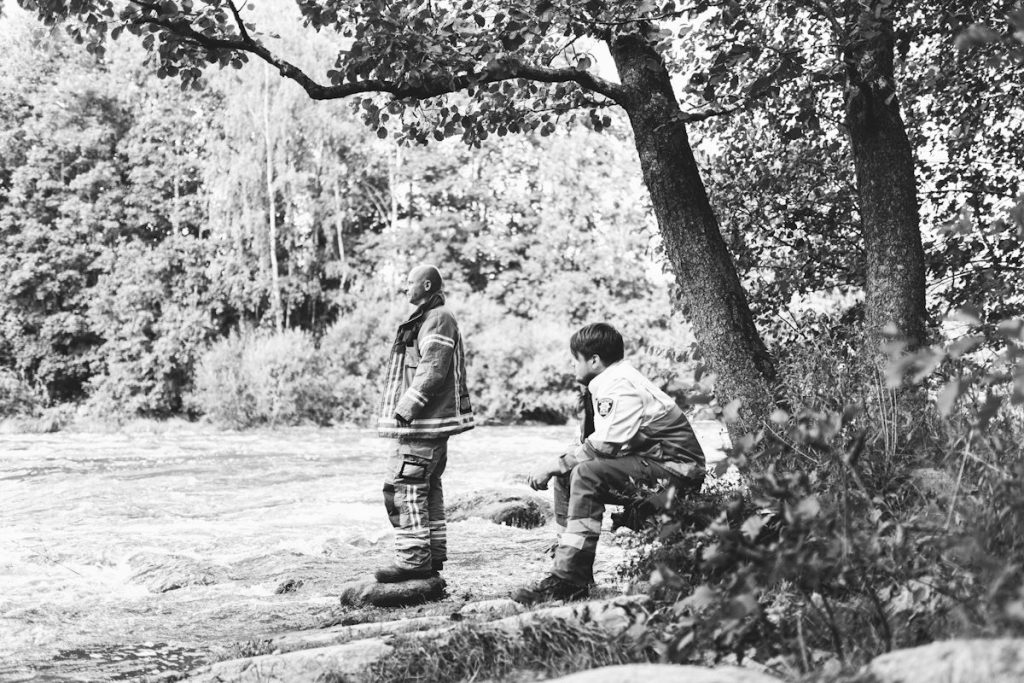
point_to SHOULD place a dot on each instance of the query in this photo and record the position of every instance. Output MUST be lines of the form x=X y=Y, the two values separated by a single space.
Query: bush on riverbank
x=876 y=517
x=278 y=379
x=18 y=397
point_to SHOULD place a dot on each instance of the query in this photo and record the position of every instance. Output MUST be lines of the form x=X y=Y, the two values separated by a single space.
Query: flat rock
x=625 y=615
x=668 y=673
x=510 y=508
x=999 y=660
x=163 y=573
x=498 y=607
x=336 y=635
x=302 y=666
x=369 y=592
x=618 y=617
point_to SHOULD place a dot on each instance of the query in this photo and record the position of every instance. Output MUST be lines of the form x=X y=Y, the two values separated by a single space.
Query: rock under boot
x=550 y=588
x=397 y=574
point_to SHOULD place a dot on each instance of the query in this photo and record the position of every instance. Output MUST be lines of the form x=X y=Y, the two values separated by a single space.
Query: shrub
x=254 y=379
x=18 y=397
x=355 y=353
x=855 y=538
x=518 y=369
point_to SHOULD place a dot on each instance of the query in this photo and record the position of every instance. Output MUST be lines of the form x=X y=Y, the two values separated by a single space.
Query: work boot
x=398 y=574
x=437 y=565
x=550 y=588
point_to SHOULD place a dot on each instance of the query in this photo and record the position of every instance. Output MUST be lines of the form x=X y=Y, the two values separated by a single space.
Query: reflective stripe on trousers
x=414 y=499
x=580 y=497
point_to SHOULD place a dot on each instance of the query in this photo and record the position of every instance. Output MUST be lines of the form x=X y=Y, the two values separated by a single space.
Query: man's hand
x=402 y=422
x=539 y=477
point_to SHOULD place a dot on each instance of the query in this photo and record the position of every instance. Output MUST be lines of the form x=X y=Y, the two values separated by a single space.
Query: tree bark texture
x=886 y=184
x=711 y=290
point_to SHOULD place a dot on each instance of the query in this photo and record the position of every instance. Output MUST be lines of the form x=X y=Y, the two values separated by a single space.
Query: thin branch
x=712 y=112
x=238 y=20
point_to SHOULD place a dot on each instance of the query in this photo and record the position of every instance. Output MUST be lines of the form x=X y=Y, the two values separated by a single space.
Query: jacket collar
x=433 y=301
x=416 y=319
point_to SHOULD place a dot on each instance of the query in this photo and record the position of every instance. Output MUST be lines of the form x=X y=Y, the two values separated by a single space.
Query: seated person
x=640 y=438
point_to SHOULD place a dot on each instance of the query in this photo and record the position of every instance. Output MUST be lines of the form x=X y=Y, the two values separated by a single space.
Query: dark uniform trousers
x=414 y=499
x=580 y=499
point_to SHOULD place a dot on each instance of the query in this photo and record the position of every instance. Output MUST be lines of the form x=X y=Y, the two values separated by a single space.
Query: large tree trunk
x=711 y=291
x=887 y=188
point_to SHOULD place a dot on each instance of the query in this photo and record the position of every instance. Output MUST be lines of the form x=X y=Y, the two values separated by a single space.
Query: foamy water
x=93 y=526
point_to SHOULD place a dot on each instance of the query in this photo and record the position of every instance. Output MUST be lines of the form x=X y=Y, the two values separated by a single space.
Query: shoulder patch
x=604 y=406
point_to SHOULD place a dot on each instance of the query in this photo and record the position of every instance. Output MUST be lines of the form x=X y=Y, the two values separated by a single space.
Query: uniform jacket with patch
x=425 y=381
x=632 y=416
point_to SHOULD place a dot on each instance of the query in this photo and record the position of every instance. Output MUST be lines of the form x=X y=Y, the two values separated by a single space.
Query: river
x=97 y=530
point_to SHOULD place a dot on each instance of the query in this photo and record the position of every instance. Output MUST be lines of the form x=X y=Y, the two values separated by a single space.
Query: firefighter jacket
x=425 y=382
x=631 y=416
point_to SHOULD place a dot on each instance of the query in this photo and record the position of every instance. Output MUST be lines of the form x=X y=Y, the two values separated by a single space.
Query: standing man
x=425 y=401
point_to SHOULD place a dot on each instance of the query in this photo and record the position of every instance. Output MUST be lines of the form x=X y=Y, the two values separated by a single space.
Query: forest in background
x=235 y=250
x=140 y=279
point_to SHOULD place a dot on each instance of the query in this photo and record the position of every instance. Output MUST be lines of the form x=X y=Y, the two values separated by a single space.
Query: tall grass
x=552 y=647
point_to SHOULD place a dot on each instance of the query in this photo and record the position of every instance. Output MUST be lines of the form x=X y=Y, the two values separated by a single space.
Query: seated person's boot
x=550 y=588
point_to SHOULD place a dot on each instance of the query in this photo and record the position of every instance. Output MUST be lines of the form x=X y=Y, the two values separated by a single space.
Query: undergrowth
x=883 y=511
x=552 y=647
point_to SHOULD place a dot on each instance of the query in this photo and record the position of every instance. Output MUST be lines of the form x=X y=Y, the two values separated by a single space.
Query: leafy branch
x=497 y=70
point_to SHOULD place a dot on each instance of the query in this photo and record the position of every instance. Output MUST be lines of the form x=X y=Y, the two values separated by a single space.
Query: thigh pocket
x=415 y=462
x=412 y=470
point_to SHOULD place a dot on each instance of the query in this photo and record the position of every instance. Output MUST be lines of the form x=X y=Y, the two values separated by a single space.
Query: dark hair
x=598 y=338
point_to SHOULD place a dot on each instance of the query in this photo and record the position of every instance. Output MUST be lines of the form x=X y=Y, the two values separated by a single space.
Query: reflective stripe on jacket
x=425 y=381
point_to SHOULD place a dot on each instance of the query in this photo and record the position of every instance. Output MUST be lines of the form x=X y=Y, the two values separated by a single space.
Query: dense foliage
x=137 y=250
x=856 y=533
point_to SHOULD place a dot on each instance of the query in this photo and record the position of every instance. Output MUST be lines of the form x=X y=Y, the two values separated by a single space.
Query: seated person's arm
x=617 y=417
x=576 y=454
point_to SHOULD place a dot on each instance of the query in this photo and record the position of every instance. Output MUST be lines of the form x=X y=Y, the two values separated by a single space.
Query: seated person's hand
x=539 y=477
x=402 y=422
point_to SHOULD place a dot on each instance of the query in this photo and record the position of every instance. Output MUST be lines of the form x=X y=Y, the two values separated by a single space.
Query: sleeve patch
x=604 y=406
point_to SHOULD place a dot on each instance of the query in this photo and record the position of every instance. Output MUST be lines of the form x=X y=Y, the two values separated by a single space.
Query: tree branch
x=238 y=20
x=508 y=68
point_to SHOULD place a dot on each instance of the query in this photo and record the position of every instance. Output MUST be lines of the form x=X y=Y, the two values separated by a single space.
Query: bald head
x=423 y=281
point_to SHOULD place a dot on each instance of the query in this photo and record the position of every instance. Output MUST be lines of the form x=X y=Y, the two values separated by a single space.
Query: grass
x=544 y=648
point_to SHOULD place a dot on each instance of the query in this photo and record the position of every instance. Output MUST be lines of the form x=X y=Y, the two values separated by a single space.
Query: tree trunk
x=886 y=185
x=339 y=226
x=711 y=292
x=275 y=285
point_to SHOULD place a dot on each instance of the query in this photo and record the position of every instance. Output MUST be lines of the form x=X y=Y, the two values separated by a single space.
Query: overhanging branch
x=505 y=69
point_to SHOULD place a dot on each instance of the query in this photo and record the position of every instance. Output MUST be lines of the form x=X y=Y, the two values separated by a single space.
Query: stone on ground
x=623 y=616
x=1000 y=660
x=510 y=508
x=668 y=673
x=496 y=607
x=404 y=594
x=336 y=635
x=340 y=661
